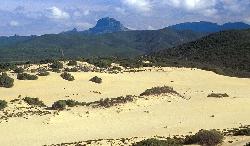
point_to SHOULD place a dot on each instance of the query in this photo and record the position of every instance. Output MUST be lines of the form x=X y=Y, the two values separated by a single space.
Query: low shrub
x=160 y=90
x=59 y=105
x=3 y=104
x=56 y=65
x=67 y=76
x=242 y=132
x=6 y=81
x=96 y=80
x=34 y=101
x=247 y=144
x=74 y=69
x=43 y=73
x=25 y=76
x=109 y=102
x=19 y=70
x=156 y=142
x=218 y=95
x=205 y=137
x=72 y=63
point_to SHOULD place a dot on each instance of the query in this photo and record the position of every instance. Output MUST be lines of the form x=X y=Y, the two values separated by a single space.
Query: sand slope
x=163 y=115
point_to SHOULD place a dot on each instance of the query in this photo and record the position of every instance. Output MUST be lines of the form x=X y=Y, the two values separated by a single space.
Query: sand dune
x=156 y=115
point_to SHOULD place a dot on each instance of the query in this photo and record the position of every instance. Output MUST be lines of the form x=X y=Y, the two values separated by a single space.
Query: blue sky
x=26 y=17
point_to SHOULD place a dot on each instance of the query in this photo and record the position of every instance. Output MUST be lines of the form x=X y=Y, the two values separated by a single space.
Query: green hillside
x=225 y=52
x=79 y=44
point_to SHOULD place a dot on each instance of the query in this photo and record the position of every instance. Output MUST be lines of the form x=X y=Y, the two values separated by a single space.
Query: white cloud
x=57 y=13
x=14 y=23
x=140 y=5
x=120 y=10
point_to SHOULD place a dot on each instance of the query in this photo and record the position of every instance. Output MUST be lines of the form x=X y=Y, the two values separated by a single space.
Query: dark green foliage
x=218 y=95
x=43 y=73
x=72 y=63
x=156 y=142
x=19 y=70
x=3 y=104
x=226 y=52
x=67 y=76
x=34 y=101
x=242 y=132
x=56 y=65
x=59 y=105
x=6 y=81
x=205 y=137
x=96 y=80
x=159 y=90
x=25 y=76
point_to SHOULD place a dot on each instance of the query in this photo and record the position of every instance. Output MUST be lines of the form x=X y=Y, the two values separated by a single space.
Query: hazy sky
x=25 y=17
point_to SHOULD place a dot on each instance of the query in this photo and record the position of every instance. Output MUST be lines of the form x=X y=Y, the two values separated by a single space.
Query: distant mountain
x=209 y=27
x=78 y=44
x=227 y=51
x=107 y=25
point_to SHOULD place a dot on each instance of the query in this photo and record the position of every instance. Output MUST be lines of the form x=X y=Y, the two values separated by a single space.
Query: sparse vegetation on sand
x=205 y=137
x=6 y=81
x=34 y=101
x=25 y=76
x=96 y=80
x=43 y=73
x=155 y=91
x=3 y=104
x=67 y=76
x=109 y=102
x=157 y=142
x=218 y=95
x=244 y=131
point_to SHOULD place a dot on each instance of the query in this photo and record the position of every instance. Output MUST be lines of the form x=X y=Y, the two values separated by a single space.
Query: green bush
x=43 y=73
x=19 y=70
x=160 y=90
x=34 y=101
x=3 y=104
x=205 y=137
x=218 y=95
x=67 y=76
x=156 y=142
x=72 y=63
x=25 y=76
x=59 y=105
x=96 y=80
x=56 y=65
x=6 y=81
